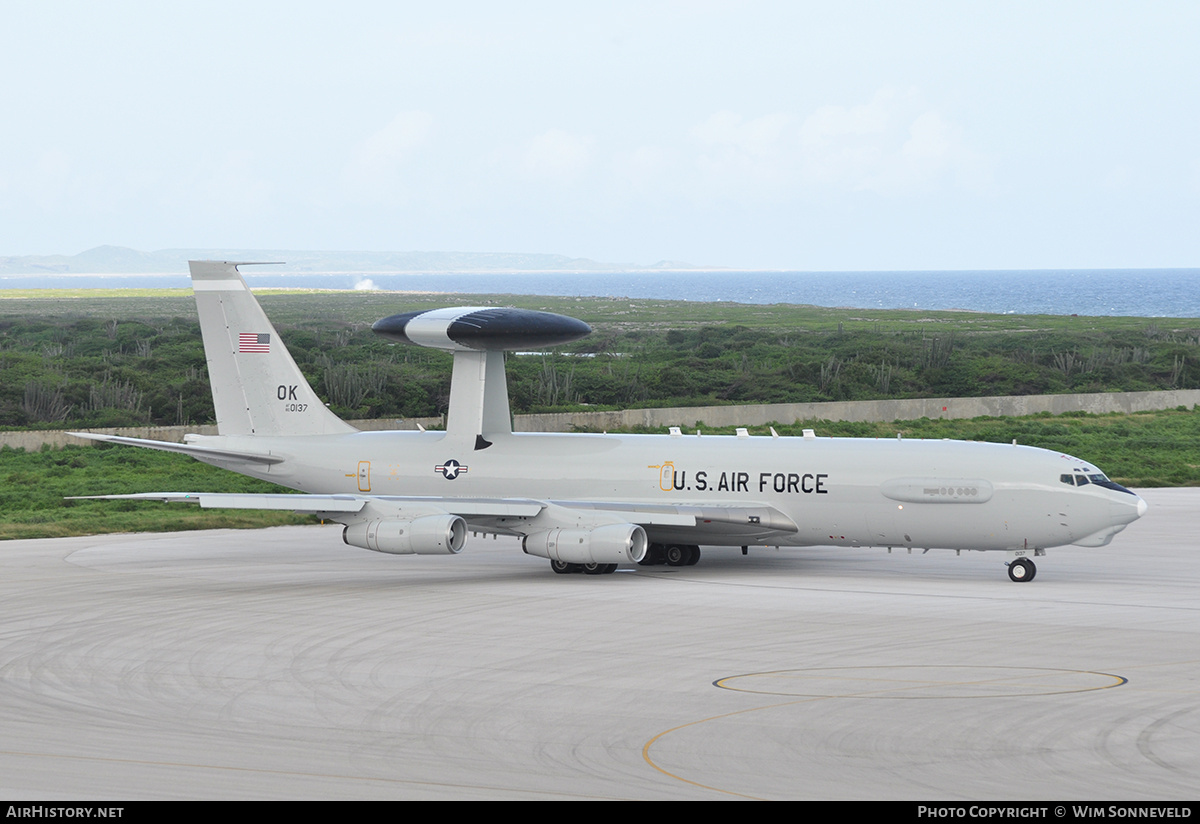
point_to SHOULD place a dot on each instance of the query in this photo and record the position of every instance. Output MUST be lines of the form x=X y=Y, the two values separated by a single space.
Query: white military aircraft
x=590 y=502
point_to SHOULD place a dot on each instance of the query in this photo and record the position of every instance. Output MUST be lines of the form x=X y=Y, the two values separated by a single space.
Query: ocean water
x=1134 y=292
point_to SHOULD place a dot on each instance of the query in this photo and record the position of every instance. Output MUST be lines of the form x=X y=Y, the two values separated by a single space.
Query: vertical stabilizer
x=257 y=387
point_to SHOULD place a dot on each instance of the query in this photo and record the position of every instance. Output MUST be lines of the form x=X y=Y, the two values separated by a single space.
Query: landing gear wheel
x=677 y=555
x=1022 y=570
x=654 y=556
x=594 y=569
x=561 y=567
x=694 y=557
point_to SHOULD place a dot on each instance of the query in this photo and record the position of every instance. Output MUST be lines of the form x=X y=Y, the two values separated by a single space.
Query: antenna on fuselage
x=479 y=337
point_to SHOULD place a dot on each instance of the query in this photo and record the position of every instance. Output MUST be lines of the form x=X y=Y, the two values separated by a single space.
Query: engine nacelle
x=612 y=544
x=428 y=535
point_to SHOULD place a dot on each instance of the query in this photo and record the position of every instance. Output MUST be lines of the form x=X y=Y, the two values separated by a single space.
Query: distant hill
x=119 y=260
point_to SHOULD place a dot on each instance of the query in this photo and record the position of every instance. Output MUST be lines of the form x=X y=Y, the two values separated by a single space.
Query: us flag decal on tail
x=254 y=342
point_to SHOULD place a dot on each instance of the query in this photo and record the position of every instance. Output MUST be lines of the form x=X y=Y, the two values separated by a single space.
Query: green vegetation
x=88 y=359
x=36 y=484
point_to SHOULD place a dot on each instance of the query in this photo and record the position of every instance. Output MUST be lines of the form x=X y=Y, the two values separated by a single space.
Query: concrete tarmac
x=283 y=664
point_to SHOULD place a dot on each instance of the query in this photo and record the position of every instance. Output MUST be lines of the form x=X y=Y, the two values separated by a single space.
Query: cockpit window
x=1097 y=478
x=1066 y=479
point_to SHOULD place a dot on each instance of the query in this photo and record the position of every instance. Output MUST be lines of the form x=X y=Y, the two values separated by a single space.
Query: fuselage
x=836 y=491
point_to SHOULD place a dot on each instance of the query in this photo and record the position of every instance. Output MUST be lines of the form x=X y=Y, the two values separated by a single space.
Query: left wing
x=321 y=504
x=690 y=523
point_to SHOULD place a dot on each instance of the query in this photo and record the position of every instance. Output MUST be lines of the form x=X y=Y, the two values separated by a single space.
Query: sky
x=755 y=135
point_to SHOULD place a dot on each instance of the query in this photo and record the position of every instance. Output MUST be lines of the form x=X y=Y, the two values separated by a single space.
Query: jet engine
x=612 y=544
x=428 y=535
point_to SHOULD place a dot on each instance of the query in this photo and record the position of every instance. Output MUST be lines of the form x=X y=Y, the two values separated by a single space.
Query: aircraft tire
x=1022 y=570
x=593 y=569
x=654 y=556
x=694 y=556
x=561 y=567
x=677 y=555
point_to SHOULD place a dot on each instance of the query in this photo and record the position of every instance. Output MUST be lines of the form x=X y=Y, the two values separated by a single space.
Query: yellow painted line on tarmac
x=888 y=687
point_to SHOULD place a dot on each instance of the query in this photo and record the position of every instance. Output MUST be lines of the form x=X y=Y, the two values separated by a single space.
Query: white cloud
x=892 y=145
x=727 y=130
x=645 y=171
x=744 y=157
x=233 y=186
x=379 y=158
x=557 y=155
x=45 y=181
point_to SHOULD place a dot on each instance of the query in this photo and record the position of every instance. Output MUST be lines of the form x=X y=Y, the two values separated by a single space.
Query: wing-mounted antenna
x=479 y=337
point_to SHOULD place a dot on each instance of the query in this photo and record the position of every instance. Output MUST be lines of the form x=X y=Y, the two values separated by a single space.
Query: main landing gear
x=563 y=568
x=1021 y=570
x=675 y=555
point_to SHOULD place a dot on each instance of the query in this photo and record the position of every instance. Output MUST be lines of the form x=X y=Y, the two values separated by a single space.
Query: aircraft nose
x=1126 y=512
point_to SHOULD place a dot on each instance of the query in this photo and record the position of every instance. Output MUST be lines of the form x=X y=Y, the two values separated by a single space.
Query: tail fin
x=257 y=387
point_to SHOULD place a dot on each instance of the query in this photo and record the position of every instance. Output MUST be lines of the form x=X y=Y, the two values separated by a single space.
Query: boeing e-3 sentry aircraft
x=589 y=502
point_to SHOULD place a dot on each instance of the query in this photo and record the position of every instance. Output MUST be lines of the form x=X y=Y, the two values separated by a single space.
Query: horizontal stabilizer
x=200 y=452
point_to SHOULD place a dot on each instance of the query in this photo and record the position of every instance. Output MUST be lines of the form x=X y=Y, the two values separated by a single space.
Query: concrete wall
x=752 y=415
x=890 y=410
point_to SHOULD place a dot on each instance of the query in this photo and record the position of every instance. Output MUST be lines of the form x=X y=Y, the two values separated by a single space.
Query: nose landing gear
x=1021 y=570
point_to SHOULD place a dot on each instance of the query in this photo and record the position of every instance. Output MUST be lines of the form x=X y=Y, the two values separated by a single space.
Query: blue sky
x=847 y=135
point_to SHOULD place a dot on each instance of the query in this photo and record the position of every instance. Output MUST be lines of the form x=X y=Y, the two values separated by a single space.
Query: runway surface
x=283 y=664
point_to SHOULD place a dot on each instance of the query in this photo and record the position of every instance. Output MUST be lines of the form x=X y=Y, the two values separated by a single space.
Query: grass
x=36 y=486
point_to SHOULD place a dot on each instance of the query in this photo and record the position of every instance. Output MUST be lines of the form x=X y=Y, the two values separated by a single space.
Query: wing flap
x=758 y=517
